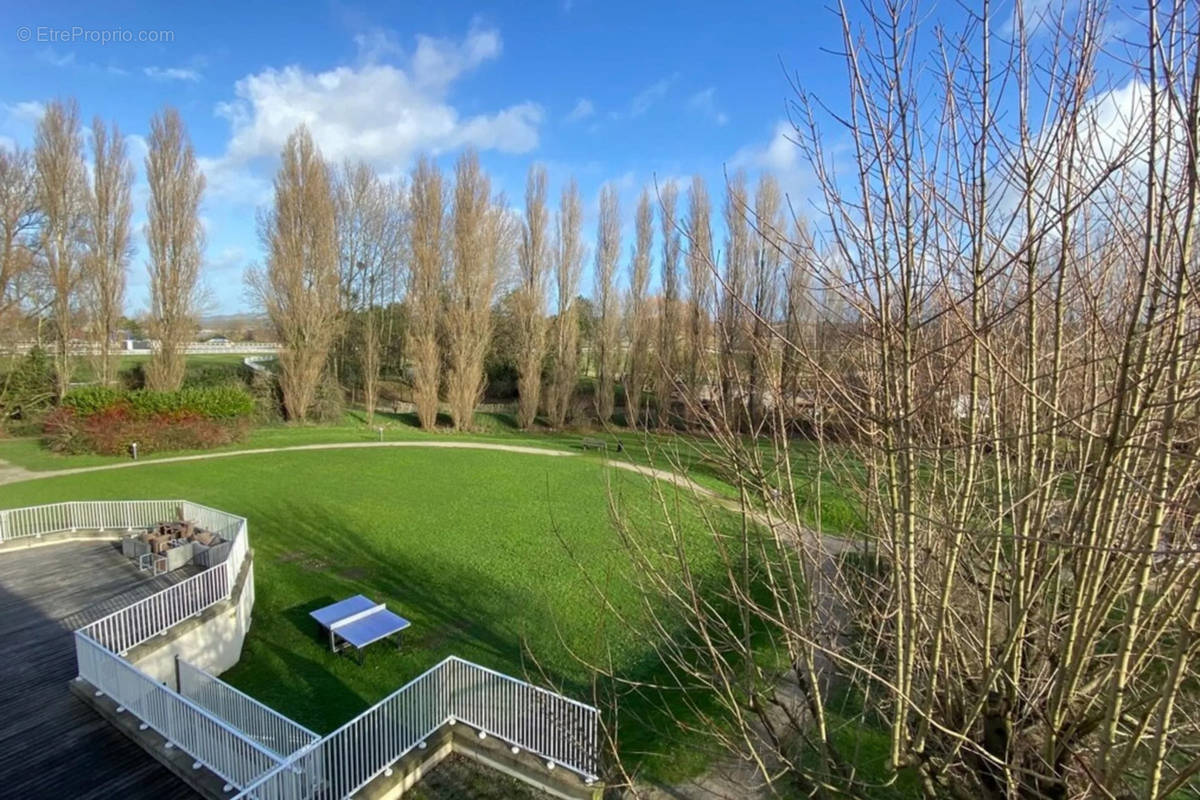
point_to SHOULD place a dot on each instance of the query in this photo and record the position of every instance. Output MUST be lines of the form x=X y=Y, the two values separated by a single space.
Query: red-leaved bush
x=111 y=431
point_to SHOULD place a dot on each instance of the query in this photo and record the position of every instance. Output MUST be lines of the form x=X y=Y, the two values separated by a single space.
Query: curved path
x=11 y=473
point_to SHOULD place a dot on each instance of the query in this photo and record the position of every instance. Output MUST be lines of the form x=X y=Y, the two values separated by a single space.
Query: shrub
x=28 y=389
x=89 y=400
x=112 y=431
x=97 y=419
x=212 y=402
x=217 y=402
x=330 y=403
x=216 y=375
x=267 y=398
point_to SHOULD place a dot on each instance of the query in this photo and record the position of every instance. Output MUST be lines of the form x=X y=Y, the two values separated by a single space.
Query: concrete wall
x=212 y=641
x=491 y=753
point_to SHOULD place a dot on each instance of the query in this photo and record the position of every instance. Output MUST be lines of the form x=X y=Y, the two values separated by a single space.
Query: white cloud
x=26 y=111
x=705 y=101
x=645 y=99
x=781 y=157
x=227 y=180
x=437 y=62
x=231 y=259
x=376 y=44
x=55 y=58
x=378 y=112
x=171 y=74
x=582 y=110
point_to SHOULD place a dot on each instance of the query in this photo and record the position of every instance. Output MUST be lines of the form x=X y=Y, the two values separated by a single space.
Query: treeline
x=433 y=281
x=66 y=241
x=429 y=286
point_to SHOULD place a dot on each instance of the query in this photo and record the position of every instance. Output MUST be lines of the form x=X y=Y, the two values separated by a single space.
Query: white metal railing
x=149 y=346
x=20 y=523
x=205 y=737
x=141 y=621
x=554 y=727
x=551 y=725
x=264 y=725
x=258 y=363
x=257 y=750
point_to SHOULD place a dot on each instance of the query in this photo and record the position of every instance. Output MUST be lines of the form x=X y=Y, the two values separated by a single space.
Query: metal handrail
x=189 y=672
x=305 y=769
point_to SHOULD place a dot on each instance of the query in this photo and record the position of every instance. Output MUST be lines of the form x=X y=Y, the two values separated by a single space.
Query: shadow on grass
x=455 y=611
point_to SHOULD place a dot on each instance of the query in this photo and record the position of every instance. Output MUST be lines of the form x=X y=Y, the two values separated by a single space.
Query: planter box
x=179 y=556
x=133 y=547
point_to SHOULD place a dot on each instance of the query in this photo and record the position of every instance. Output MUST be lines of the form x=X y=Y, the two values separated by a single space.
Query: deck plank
x=52 y=744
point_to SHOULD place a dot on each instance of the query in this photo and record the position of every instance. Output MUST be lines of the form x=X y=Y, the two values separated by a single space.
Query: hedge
x=100 y=419
x=209 y=402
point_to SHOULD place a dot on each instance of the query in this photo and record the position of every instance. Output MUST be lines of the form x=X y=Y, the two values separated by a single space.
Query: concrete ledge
x=203 y=780
x=491 y=753
x=408 y=771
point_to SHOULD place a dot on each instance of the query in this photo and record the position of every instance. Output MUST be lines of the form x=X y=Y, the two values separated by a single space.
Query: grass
x=84 y=370
x=692 y=455
x=469 y=545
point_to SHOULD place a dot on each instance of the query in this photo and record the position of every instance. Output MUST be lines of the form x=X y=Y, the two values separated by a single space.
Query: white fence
x=556 y=728
x=143 y=620
x=206 y=738
x=137 y=347
x=257 y=750
x=264 y=725
x=20 y=523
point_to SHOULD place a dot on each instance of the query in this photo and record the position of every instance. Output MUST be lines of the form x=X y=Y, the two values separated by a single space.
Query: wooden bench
x=593 y=444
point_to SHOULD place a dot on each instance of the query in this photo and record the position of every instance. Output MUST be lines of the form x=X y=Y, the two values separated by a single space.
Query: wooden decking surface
x=51 y=744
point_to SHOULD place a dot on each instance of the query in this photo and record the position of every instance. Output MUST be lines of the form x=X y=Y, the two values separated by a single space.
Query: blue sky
x=599 y=90
x=605 y=91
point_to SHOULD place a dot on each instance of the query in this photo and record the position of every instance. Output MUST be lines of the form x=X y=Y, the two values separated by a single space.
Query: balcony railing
x=259 y=752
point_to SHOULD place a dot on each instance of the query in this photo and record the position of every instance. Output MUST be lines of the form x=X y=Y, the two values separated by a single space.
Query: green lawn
x=692 y=455
x=484 y=551
x=84 y=369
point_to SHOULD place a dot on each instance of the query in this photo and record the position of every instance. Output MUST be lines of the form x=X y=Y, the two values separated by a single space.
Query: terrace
x=144 y=658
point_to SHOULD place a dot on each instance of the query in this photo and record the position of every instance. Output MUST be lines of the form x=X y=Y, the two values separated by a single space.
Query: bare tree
x=371 y=227
x=608 y=251
x=62 y=195
x=478 y=239
x=175 y=239
x=427 y=204
x=568 y=263
x=109 y=244
x=299 y=287
x=798 y=316
x=731 y=325
x=637 y=360
x=667 y=374
x=700 y=269
x=767 y=238
x=533 y=262
x=996 y=555
x=19 y=222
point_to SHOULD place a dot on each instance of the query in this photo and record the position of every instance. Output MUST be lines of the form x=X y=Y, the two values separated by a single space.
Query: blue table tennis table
x=357 y=622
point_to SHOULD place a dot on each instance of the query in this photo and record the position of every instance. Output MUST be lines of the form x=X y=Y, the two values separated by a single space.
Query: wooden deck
x=51 y=744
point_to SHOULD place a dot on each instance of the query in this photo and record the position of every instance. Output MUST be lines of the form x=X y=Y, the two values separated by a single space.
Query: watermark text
x=79 y=34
